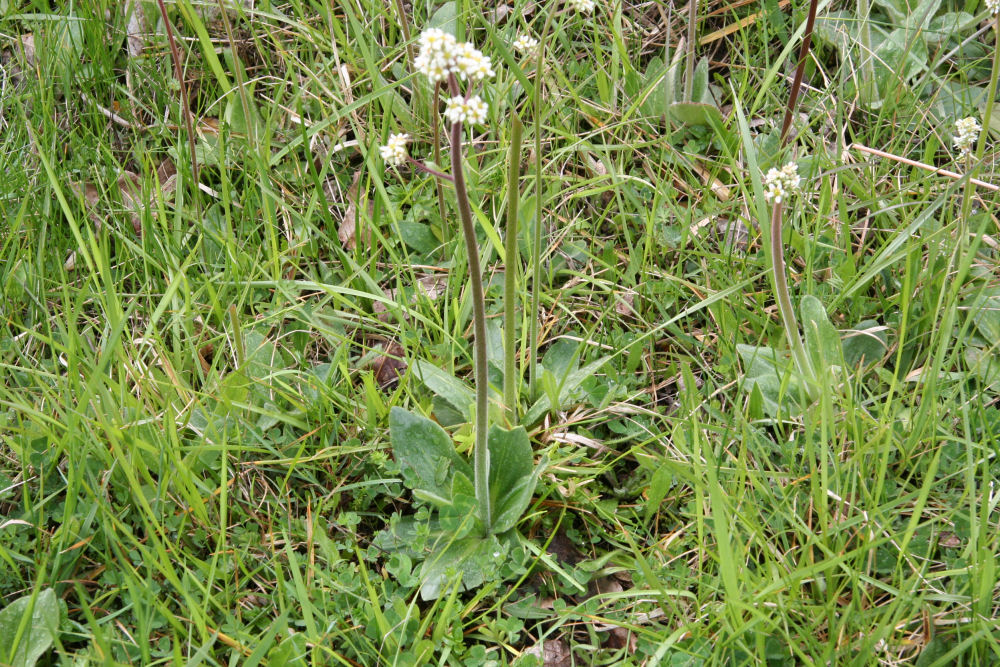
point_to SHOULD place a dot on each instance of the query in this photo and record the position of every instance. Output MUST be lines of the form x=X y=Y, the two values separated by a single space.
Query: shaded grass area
x=193 y=447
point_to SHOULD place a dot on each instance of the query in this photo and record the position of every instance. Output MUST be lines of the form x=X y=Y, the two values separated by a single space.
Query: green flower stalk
x=779 y=185
x=481 y=454
x=965 y=140
x=444 y=60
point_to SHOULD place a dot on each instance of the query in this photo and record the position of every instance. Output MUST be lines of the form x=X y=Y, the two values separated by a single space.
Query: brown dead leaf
x=717 y=187
x=389 y=365
x=205 y=355
x=733 y=233
x=90 y=195
x=135 y=28
x=430 y=286
x=347 y=233
x=625 y=303
x=167 y=172
x=28 y=49
x=620 y=638
x=552 y=653
x=501 y=12
x=564 y=550
x=949 y=541
x=130 y=189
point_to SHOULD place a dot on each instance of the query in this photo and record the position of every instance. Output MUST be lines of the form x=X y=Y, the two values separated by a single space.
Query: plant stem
x=689 y=64
x=185 y=104
x=778 y=278
x=983 y=136
x=416 y=164
x=512 y=259
x=536 y=236
x=793 y=94
x=784 y=300
x=404 y=24
x=480 y=453
x=445 y=236
x=867 y=66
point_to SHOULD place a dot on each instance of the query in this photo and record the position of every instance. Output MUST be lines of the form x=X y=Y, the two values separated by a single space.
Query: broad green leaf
x=770 y=381
x=513 y=475
x=839 y=29
x=696 y=113
x=920 y=17
x=986 y=366
x=448 y=387
x=568 y=386
x=898 y=10
x=460 y=516
x=899 y=58
x=659 y=485
x=699 y=87
x=494 y=343
x=760 y=360
x=445 y=18
x=776 y=398
x=243 y=120
x=986 y=316
x=424 y=452
x=60 y=42
x=562 y=357
x=466 y=562
x=865 y=344
x=23 y=640
x=658 y=84
x=950 y=23
x=418 y=235
x=822 y=339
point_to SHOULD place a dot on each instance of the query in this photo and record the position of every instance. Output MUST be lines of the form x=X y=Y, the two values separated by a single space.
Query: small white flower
x=394 y=152
x=461 y=110
x=993 y=6
x=779 y=184
x=966 y=132
x=472 y=63
x=527 y=44
x=438 y=55
x=584 y=6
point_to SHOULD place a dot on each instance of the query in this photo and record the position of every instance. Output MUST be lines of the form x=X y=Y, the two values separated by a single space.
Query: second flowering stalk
x=503 y=470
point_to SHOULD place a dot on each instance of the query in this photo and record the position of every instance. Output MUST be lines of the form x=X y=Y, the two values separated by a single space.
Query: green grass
x=193 y=421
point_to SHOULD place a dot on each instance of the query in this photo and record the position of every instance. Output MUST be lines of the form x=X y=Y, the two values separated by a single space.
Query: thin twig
x=185 y=104
x=793 y=95
x=920 y=165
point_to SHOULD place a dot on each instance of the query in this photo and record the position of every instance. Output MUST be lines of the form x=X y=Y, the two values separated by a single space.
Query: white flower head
x=993 y=6
x=527 y=44
x=438 y=54
x=471 y=63
x=966 y=133
x=779 y=184
x=584 y=6
x=461 y=110
x=394 y=152
x=441 y=55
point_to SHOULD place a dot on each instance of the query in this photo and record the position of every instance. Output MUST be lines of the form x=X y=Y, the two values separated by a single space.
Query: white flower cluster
x=461 y=110
x=394 y=152
x=779 y=184
x=441 y=54
x=993 y=6
x=587 y=6
x=527 y=44
x=966 y=133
